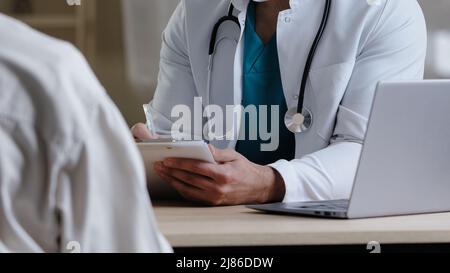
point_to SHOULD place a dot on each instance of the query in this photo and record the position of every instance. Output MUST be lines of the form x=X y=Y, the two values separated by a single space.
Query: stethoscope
x=297 y=119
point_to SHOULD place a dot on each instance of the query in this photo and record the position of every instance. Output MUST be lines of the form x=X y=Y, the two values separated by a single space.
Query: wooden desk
x=187 y=226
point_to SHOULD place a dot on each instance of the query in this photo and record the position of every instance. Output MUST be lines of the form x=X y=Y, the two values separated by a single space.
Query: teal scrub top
x=262 y=86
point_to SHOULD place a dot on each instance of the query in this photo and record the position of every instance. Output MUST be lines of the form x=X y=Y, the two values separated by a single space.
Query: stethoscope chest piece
x=298 y=122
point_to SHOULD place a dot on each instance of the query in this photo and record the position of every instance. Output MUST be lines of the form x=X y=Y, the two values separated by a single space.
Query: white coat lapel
x=240 y=5
x=296 y=31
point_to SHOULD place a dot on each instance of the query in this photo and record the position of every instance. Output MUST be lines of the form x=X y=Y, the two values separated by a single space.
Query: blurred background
x=121 y=40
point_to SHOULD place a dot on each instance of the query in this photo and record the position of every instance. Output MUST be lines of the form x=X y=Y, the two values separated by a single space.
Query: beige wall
x=110 y=63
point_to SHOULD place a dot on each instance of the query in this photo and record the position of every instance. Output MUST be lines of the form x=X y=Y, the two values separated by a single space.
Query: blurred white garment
x=144 y=20
x=439 y=54
x=438 y=24
x=71 y=178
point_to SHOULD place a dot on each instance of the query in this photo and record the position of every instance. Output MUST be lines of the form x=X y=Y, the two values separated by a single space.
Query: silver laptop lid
x=405 y=163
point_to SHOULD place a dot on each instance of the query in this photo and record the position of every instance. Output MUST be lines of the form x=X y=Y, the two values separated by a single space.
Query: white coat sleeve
x=176 y=84
x=395 y=50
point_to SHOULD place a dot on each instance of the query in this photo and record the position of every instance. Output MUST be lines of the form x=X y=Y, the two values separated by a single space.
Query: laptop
x=404 y=166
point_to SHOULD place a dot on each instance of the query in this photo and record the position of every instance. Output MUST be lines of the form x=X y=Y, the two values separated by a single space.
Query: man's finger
x=188 y=192
x=140 y=131
x=193 y=166
x=223 y=156
x=192 y=179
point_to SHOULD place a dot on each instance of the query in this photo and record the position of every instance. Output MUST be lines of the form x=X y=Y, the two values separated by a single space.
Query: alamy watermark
x=73 y=247
x=234 y=122
x=73 y=2
x=374 y=247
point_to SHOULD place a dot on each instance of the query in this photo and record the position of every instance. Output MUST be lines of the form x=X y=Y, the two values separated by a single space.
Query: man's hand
x=141 y=132
x=232 y=181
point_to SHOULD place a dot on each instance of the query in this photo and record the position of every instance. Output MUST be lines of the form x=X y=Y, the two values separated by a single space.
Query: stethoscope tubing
x=306 y=114
x=311 y=55
x=215 y=31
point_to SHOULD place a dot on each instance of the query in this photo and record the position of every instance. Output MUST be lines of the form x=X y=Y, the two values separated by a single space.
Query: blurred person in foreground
x=71 y=178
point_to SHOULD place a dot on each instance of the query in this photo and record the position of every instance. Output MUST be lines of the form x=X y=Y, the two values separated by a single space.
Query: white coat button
x=287 y=19
x=295 y=97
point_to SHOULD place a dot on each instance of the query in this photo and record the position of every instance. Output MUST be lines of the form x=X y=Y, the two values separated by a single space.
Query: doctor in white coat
x=365 y=42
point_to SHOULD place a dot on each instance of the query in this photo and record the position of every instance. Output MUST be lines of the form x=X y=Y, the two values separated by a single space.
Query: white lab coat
x=71 y=178
x=362 y=45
